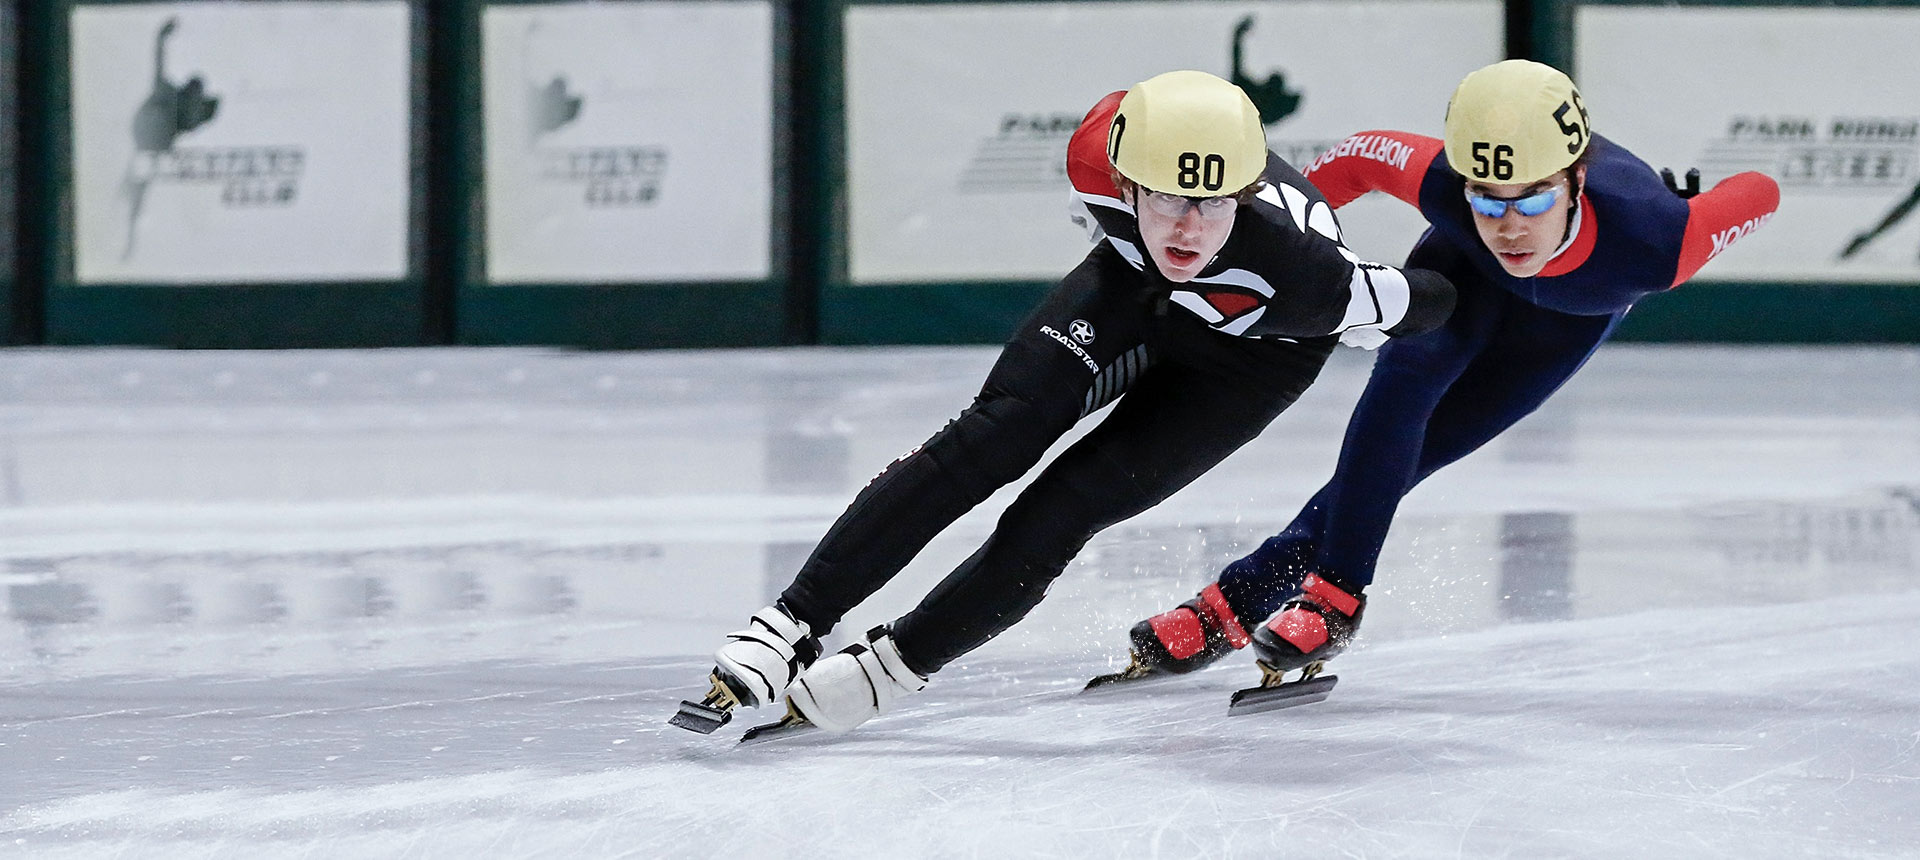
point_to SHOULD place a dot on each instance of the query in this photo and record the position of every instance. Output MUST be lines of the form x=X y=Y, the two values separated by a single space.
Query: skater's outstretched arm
x=1733 y=208
x=1394 y=162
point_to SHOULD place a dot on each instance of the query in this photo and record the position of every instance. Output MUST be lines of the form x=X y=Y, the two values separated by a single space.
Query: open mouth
x=1181 y=256
x=1515 y=258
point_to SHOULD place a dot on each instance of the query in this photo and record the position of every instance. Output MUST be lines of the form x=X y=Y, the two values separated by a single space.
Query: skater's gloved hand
x=1693 y=182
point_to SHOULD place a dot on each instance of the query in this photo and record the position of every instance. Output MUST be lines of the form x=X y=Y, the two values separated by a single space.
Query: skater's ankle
x=901 y=632
x=1333 y=593
x=796 y=608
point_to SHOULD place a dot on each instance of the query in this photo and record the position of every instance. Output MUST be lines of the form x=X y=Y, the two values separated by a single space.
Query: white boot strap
x=780 y=624
x=895 y=666
x=778 y=645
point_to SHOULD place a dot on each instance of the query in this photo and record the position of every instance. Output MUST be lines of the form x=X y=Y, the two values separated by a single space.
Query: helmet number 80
x=1197 y=172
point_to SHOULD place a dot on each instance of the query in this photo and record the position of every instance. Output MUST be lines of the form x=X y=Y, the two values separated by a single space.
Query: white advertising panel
x=1826 y=101
x=628 y=141
x=958 y=116
x=231 y=142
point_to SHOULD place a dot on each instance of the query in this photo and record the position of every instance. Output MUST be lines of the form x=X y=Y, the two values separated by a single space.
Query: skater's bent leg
x=1035 y=392
x=993 y=442
x=1170 y=430
x=1256 y=584
x=1009 y=574
x=1526 y=358
x=1381 y=452
x=1378 y=465
x=1536 y=352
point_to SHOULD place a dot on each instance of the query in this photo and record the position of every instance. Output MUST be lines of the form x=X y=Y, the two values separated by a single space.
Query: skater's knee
x=995 y=441
x=1065 y=507
x=961 y=617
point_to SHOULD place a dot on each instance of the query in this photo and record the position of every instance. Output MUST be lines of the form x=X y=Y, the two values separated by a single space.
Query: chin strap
x=1577 y=187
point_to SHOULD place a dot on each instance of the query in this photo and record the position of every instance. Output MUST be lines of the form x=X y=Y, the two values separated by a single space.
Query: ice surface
x=439 y=603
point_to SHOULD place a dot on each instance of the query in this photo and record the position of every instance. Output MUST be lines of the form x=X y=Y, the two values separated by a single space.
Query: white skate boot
x=754 y=667
x=851 y=687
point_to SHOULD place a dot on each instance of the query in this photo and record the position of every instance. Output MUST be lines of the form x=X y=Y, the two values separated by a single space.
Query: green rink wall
x=1718 y=312
x=12 y=319
x=446 y=295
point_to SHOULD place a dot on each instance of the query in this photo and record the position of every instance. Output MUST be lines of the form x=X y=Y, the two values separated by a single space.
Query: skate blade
x=788 y=726
x=1134 y=672
x=713 y=711
x=1255 y=700
x=1120 y=680
x=696 y=717
x=1099 y=682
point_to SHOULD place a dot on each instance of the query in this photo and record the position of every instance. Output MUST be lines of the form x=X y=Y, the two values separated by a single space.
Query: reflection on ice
x=1536 y=566
x=1521 y=566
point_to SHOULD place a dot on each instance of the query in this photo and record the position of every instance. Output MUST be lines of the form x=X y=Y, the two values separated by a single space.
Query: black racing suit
x=1204 y=366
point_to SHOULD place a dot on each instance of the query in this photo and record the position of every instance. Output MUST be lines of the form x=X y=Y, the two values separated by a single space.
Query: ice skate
x=1308 y=631
x=753 y=668
x=1182 y=639
x=790 y=724
x=843 y=690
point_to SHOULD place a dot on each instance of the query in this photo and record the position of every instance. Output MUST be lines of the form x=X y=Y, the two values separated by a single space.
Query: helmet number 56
x=1576 y=129
x=1500 y=166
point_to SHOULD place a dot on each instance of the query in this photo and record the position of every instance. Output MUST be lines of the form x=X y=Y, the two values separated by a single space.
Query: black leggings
x=1192 y=396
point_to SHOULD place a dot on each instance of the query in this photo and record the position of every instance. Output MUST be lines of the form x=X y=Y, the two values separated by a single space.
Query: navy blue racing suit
x=1511 y=342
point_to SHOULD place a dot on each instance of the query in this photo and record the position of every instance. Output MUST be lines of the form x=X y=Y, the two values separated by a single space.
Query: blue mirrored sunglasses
x=1530 y=205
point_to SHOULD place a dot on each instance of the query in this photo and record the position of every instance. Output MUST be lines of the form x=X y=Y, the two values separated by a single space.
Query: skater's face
x=1183 y=233
x=1523 y=224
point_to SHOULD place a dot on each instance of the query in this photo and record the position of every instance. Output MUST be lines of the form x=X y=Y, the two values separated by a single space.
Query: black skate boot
x=1309 y=630
x=1187 y=637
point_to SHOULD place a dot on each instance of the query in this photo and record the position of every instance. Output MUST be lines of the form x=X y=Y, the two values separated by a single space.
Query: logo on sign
x=248 y=176
x=1273 y=99
x=1025 y=152
x=609 y=176
x=1270 y=97
x=1892 y=219
x=1828 y=155
x=1834 y=154
x=1028 y=151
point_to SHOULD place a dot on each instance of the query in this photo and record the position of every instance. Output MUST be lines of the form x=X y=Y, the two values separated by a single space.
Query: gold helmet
x=1515 y=122
x=1188 y=133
